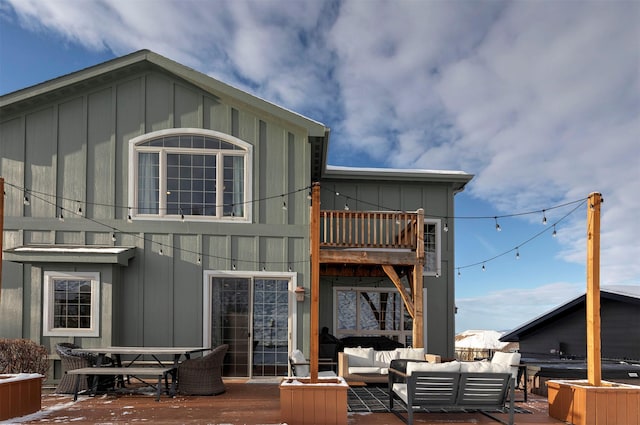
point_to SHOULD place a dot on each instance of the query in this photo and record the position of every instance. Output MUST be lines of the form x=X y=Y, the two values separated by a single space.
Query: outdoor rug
x=375 y=399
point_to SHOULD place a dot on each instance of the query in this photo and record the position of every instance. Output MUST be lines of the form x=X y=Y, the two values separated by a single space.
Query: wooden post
x=1 y=228
x=593 y=290
x=314 y=344
x=418 y=285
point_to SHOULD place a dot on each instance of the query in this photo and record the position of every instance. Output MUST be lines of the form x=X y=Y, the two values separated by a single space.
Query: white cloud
x=507 y=309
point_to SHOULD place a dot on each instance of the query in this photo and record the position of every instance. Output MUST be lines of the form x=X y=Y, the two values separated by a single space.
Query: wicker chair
x=203 y=375
x=70 y=361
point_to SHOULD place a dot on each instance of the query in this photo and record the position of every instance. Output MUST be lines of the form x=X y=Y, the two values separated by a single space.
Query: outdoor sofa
x=357 y=364
x=451 y=386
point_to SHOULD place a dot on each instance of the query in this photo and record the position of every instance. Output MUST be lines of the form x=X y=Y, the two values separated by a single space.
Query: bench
x=158 y=371
x=470 y=391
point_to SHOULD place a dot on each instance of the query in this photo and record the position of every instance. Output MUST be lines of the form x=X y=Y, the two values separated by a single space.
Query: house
x=562 y=332
x=149 y=204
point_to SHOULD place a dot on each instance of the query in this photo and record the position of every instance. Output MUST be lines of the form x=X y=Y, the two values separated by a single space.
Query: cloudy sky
x=540 y=100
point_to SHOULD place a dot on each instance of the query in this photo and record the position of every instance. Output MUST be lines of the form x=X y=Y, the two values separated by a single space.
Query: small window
x=432 y=248
x=71 y=304
x=189 y=174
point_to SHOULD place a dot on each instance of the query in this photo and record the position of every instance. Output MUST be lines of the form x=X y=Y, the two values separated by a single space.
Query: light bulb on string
x=484 y=269
x=554 y=234
x=113 y=237
x=25 y=201
x=544 y=217
x=61 y=216
x=517 y=254
x=446 y=226
x=498 y=228
x=284 y=206
x=161 y=252
x=346 y=206
x=459 y=272
x=129 y=218
x=198 y=260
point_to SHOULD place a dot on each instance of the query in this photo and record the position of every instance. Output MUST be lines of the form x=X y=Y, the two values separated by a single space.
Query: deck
x=242 y=403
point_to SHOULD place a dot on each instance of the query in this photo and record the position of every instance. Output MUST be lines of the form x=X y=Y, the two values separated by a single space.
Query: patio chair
x=203 y=375
x=74 y=360
x=300 y=365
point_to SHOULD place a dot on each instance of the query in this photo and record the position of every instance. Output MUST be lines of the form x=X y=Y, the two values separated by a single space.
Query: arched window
x=189 y=174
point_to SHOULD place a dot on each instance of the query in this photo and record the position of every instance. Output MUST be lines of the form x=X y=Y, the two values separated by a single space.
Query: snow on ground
x=41 y=414
x=478 y=339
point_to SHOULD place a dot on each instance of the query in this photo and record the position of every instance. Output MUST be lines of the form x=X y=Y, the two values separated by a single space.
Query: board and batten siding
x=72 y=152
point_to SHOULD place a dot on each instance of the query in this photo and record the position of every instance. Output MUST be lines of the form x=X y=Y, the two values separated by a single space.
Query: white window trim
x=206 y=301
x=48 y=300
x=133 y=172
x=438 y=271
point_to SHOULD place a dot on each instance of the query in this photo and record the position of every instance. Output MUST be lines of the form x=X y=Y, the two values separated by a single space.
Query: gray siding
x=73 y=153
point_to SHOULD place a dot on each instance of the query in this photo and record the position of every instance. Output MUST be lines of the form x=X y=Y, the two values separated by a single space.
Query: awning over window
x=70 y=254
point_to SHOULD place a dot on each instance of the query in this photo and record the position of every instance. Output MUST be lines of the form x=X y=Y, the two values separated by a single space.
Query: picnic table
x=132 y=367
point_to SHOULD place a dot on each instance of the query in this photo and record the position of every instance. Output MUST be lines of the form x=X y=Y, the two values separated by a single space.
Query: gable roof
x=146 y=59
x=622 y=293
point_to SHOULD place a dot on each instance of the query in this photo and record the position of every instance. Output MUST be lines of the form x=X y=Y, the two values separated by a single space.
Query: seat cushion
x=476 y=367
x=433 y=367
x=401 y=390
x=359 y=370
x=359 y=357
x=383 y=358
x=410 y=353
x=296 y=358
x=509 y=360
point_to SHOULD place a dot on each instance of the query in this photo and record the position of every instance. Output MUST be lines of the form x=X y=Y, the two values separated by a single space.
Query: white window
x=432 y=247
x=189 y=174
x=71 y=304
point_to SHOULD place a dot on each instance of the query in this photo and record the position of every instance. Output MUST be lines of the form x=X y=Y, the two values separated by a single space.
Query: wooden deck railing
x=368 y=229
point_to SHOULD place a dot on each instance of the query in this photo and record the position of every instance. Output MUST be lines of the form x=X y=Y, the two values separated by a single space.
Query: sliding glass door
x=252 y=315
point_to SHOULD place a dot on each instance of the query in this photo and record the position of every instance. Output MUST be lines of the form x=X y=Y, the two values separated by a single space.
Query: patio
x=242 y=403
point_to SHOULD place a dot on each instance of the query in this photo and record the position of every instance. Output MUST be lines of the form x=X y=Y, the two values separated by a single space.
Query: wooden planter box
x=579 y=403
x=20 y=395
x=302 y=402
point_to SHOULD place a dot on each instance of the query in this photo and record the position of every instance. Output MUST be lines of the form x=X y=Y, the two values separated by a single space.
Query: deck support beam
x=406 y=298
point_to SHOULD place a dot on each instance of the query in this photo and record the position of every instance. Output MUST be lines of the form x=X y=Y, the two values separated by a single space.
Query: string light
x=160 y=252
x=113 y=237
x=484 y=269
x=517 y=253
x=554 y=234
x=544 y=217
x=25 y=201
x=446 y=226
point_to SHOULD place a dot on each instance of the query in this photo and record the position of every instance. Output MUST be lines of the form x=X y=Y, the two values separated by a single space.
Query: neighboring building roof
x=623 y=293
